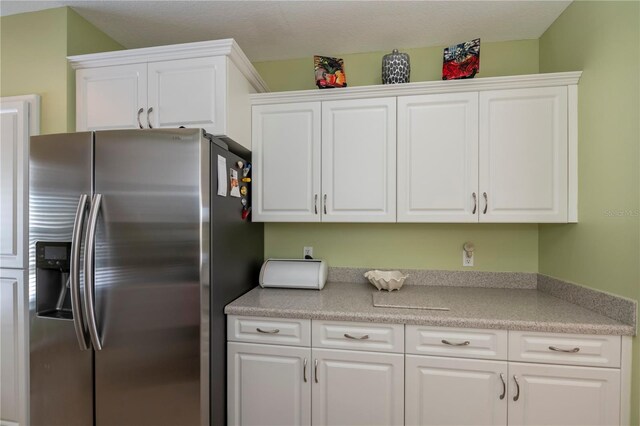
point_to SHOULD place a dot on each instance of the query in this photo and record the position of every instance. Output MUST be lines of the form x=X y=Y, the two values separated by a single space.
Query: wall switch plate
x=467 y=260
x=307 y=251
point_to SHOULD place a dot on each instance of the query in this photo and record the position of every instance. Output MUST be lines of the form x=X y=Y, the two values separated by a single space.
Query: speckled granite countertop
x=497 y=308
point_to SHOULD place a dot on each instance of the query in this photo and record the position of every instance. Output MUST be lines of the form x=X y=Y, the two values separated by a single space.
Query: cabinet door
x=359 y=160
x=111 y=97
x=523 y=155
x=13 y=348
x=438 y=158
x=357 y=388
x=14 y=187
x=286 y=162
x=268 y=385
x=188 y=92
x=563 y=395
x=453 y=391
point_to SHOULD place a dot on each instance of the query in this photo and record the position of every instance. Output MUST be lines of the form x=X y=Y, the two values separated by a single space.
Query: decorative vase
x=395 y=68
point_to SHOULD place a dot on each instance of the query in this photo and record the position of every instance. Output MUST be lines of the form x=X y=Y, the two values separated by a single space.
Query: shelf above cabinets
x=501 y=149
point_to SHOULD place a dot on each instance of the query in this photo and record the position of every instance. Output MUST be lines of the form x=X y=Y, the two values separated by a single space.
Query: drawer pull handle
x=274 y=331
x=465 y=343
x=504 y=386
x=570 y=351
x=304 y=371
x=517 y=397
x=363 y=337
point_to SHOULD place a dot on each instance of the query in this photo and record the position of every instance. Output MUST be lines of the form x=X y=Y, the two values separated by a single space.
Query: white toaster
x=294 y=273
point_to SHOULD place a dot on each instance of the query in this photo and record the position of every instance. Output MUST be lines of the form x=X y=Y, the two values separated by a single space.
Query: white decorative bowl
x=386 y=280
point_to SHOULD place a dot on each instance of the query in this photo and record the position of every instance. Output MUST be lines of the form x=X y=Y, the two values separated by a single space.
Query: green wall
x=362 y=69
x=602 y=250
x=435 y=246
x=33 y=51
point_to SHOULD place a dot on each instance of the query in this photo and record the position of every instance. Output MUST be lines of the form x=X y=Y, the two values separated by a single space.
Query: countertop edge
x=408 y=319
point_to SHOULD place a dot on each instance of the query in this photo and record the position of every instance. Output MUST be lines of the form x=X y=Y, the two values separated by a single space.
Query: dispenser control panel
x=53 y=255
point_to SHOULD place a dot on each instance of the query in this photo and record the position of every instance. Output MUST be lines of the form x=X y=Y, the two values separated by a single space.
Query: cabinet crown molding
x=226 y=47
x=421 y=88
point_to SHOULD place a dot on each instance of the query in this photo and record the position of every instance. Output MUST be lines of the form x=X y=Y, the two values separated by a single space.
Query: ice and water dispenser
x=53 y=295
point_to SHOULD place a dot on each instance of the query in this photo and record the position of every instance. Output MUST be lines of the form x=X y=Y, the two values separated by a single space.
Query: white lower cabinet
x=453 y=391
x=268 y=385
x=357 y=388
x=370 y=381
x=563 y=395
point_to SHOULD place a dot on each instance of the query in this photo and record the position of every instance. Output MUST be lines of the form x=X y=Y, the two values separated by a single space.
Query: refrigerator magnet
x=243 y=190
x=222 y=176
x=235 y=184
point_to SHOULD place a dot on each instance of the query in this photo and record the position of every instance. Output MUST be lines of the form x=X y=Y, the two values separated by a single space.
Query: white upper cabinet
x=204 y=84
x=359 y=160
x=286 y=162
x=500 y=149
x=523 y=155
x=188 y=92
x=111 y=97
x=438 y=158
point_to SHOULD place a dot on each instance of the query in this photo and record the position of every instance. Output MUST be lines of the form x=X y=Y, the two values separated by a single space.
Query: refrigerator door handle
x=74 y=276
x=89 y=272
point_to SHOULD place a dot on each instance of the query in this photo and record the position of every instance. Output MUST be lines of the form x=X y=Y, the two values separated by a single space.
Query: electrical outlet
x=307 y=251
x=466 y=259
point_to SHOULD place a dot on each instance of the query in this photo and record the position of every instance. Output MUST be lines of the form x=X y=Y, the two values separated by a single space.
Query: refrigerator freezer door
x=151 y=253
x=61 y=387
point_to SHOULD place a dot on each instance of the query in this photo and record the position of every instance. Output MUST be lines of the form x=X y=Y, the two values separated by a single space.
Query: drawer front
x=570 y=349
x=358 y=335
x=281 y=331
x=457 y=342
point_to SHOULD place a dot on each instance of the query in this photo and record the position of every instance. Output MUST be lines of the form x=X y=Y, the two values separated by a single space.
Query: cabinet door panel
x=452 y=391
x=267 y=385
x=359 y=160
x=438 y=158
x=188 y=92
x=286 y=161
x=14 y=165
x=523 y=155
x=562 y=395
x=13 y=350
x=110 y=97
x=358 y=388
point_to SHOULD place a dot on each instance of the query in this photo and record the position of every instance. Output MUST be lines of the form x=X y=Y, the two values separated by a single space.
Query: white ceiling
x=270 y=30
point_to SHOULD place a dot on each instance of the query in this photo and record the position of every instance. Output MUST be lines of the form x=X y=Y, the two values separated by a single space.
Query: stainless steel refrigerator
x=133 y=255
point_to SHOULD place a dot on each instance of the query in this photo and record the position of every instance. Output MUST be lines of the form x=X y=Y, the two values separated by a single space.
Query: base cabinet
x=310 y=382
x=268 y=385
x=357 y=388
x=452 y=391
x=563 y=395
